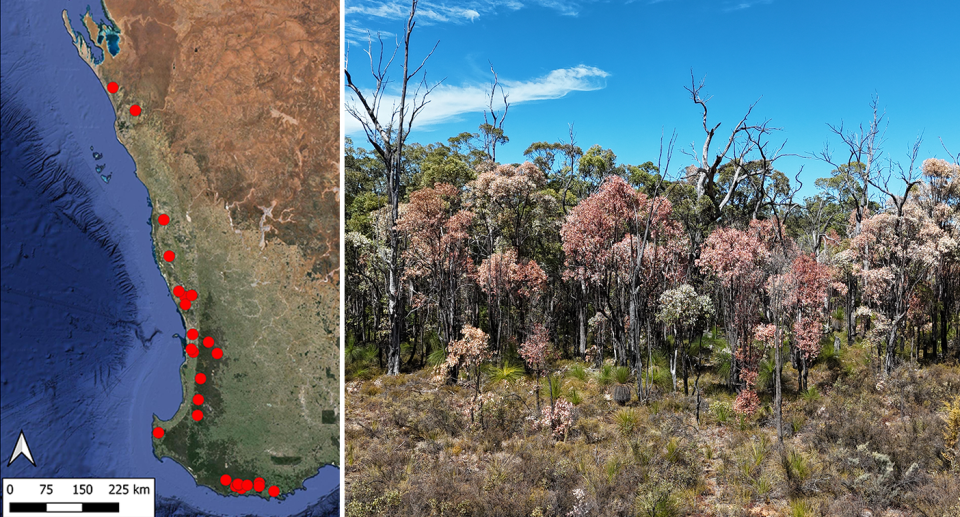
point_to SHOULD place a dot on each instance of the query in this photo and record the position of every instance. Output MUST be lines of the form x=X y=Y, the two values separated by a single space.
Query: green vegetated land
x=575 y=336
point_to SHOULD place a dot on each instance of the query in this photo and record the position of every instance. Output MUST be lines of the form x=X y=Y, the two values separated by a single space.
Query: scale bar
x=64 y=507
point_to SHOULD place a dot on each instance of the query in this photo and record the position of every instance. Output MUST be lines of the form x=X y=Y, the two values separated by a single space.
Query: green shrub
x=437 y=356
x=508 y=372
x=605 y=377
x=621 y=374
x=721 y=411
x=657 y=500
x=801 y=508
x=626 y=420
x=577 y=371
x=811 y=395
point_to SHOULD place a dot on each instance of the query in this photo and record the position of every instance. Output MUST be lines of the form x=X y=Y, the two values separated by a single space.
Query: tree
x=625 y=246
x=744 y=139
x=388 y=137
x=899 y=248
x=939 y=197
x=469 y=353
x=509 y=282
x=737 y=258
x=438 y=254
x=534 y=353
x=686 y=311
x=852 y=179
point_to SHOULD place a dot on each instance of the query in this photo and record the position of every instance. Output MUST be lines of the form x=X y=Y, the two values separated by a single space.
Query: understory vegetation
x=852 y=445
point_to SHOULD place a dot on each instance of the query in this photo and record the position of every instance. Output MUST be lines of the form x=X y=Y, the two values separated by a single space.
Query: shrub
x=621 y=374
x=606 y=375
x=626 y=420
x=657 y=500
x=508 y=372
x=577 y=371
x=797 y=470
x=721 y=410
x=951 y=432
x=801 y=508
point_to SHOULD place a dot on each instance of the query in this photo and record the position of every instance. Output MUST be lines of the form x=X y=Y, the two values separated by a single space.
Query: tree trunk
x=891 y=343
x=582 y=322
x=673 y=367
x=943 y=333
x=778 y=390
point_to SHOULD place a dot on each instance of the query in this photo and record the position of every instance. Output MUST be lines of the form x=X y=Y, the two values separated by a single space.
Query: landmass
x=238 y=142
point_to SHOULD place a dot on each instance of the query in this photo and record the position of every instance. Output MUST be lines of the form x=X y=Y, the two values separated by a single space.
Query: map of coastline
x=237 y=145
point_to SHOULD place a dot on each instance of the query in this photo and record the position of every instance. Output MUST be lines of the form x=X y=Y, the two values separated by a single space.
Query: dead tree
x=387 y=135
x=855 y=174
x=744 y=140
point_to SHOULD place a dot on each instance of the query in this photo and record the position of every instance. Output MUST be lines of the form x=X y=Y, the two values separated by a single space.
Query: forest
x=699 y=334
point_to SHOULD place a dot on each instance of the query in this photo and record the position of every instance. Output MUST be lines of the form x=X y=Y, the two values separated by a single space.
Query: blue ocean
x=89 y=333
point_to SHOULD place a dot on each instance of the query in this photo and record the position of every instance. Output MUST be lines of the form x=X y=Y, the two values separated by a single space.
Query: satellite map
x=170 y=252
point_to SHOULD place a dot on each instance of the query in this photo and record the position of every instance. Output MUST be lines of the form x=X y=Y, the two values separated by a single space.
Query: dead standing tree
x=388 y=136
x=854 y=180
x=744 y=140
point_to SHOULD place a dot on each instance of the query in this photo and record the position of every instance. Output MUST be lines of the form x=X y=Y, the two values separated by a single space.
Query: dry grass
x=412 y=448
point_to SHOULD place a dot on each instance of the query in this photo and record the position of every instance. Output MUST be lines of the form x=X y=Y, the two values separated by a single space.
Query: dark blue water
x=88 y=329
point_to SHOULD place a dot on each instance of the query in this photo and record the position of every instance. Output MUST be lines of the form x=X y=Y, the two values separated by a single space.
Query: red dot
x=200 y=378
x=113 y=87
x=169 y=256
x=191 y=295
x=237 y=485
x=217 y=354
x=197 y=415
x=192 y=350
x=225 y=479
x=158 y=432
x=185 y=304
x=164 y=219
x=247 y=485
x=198 y=399
x=178 y=291
x=274 y=491
x=135 y=110
x=192 y=334
x=259 y=484
x=208 y=341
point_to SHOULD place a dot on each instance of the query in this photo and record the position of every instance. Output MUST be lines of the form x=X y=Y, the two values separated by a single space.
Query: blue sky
x=617 y=70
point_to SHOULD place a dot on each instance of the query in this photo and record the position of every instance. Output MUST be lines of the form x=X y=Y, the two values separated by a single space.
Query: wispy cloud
x=449 y=103
x=739 y=5
x=429 y=12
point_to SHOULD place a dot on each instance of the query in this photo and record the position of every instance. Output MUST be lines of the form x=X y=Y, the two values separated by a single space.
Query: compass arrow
x=22 y=449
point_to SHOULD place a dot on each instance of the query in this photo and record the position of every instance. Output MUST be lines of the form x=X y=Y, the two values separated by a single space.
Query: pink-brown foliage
x=602 y=235
x=437 y=234
x=508 y=182
x=471 y=350
x=535 y=349
x=737 y=258
x=747 y=402
x=502 y=274
x=813 y=280
x=898 y=251
x=558 y=418
x=593 y=228
x=509 y=203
